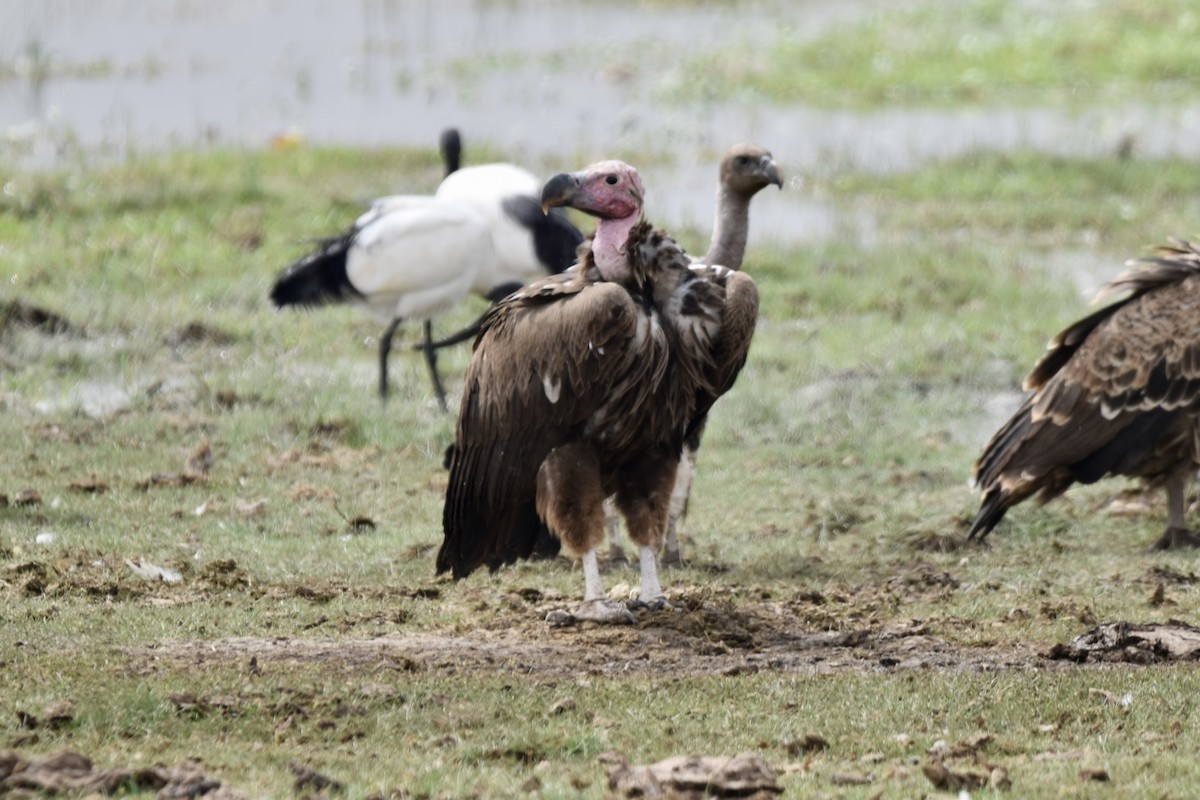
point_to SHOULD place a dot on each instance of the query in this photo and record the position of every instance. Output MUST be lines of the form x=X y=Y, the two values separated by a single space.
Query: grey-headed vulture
x=585 y=385
x=1118 y=393
x=745 y=170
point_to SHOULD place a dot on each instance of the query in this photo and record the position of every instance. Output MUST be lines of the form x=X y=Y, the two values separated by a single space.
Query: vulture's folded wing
x=1109 y=389
x=730 y=300
x=545 y=361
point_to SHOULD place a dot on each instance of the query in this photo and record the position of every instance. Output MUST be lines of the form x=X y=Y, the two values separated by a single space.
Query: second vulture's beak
x=560 y=190
x=770 y=171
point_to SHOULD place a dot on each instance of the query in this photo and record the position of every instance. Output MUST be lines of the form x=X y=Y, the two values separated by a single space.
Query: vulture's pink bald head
x=607 y=189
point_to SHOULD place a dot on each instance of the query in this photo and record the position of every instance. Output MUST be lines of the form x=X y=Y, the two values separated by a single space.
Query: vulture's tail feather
x=479 y=529
x=995 y=505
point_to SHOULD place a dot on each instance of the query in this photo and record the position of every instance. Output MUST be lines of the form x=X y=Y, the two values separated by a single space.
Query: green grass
x=989 y=52
x=845 y=445
x=347 y=717
x=1030 y=198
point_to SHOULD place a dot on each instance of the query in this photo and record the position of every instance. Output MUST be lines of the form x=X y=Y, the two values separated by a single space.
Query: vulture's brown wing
x=1109 y=388
x=731 y=298
x=1173 y=263
x=544 y=362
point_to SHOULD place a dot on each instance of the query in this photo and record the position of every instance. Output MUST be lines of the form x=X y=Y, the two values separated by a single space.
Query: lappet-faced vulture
x=586 y=385
x=745 y=170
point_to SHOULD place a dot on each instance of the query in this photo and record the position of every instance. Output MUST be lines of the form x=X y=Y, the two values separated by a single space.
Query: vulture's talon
x=605 y=612
x=1175 y=539
x=560 y=619
x=659 y=603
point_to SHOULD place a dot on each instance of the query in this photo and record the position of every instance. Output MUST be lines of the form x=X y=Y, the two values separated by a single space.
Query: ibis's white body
x=414 y=257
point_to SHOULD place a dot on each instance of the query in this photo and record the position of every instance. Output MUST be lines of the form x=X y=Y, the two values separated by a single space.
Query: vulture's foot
x=659 y=603
x=617 y=557
x=603 y=611
x=560 y=619
x=671 y=557
x=1176 y=539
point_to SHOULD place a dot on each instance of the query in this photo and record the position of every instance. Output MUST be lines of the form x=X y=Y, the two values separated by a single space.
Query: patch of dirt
x=745 y=775
x=711 y=631
x=195 y=333
x=16 y=314
x=1160 y=574
x=1133 y=643
x=713 y=636
x=69 y=771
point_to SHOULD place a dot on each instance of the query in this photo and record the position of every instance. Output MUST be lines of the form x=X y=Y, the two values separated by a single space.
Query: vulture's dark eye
x=742 y=161
x=611 y=180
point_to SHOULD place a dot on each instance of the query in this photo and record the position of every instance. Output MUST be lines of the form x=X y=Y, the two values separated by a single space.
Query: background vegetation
x=831 y=496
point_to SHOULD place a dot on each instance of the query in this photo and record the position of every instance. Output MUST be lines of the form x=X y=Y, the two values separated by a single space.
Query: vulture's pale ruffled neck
x=608 y=247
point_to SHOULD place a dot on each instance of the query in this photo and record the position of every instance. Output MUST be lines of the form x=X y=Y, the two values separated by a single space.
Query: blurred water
x=373 y=72
x=556 y=84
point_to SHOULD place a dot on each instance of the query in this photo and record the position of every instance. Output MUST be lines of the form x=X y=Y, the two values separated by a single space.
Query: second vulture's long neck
x=730 y=230
x=608 y=247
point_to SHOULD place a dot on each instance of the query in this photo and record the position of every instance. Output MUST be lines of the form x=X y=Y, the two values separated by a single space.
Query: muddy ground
x=708 y=632
x=709 y=639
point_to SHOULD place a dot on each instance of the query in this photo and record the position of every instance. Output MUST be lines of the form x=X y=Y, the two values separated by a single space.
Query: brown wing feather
x=568 y=360
x=739 y=317
x=543 y=363
x=1173 y=263
x=733 y=301
x=1145 y=356
x=1108 y=391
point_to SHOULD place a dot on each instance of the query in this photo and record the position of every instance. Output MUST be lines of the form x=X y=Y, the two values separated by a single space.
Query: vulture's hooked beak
x=770 y=171
x=560 y=190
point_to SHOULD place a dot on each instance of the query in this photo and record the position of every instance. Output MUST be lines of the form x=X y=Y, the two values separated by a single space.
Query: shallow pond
x=554 y=84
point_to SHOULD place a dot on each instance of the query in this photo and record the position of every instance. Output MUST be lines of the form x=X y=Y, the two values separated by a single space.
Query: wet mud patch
x=710 y=627
x=72 y=575
x=1163 y=574
x=91 y=576
x=936 y=542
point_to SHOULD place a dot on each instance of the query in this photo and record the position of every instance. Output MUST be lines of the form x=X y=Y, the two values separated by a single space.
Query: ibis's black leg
x=385 y=347
x=503 y=290
x=431 y=360
x=497 y=294
x=466 y=334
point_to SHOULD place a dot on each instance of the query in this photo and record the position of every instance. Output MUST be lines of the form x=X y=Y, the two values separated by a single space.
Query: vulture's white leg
x=612 y=522
x=679 y=502
x=593 y=587
x=1176 y=535
x=570 y=499
x=596 y=605
x=651 y=595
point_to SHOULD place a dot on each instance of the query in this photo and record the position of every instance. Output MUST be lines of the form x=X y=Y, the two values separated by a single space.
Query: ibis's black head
x=450 y=145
